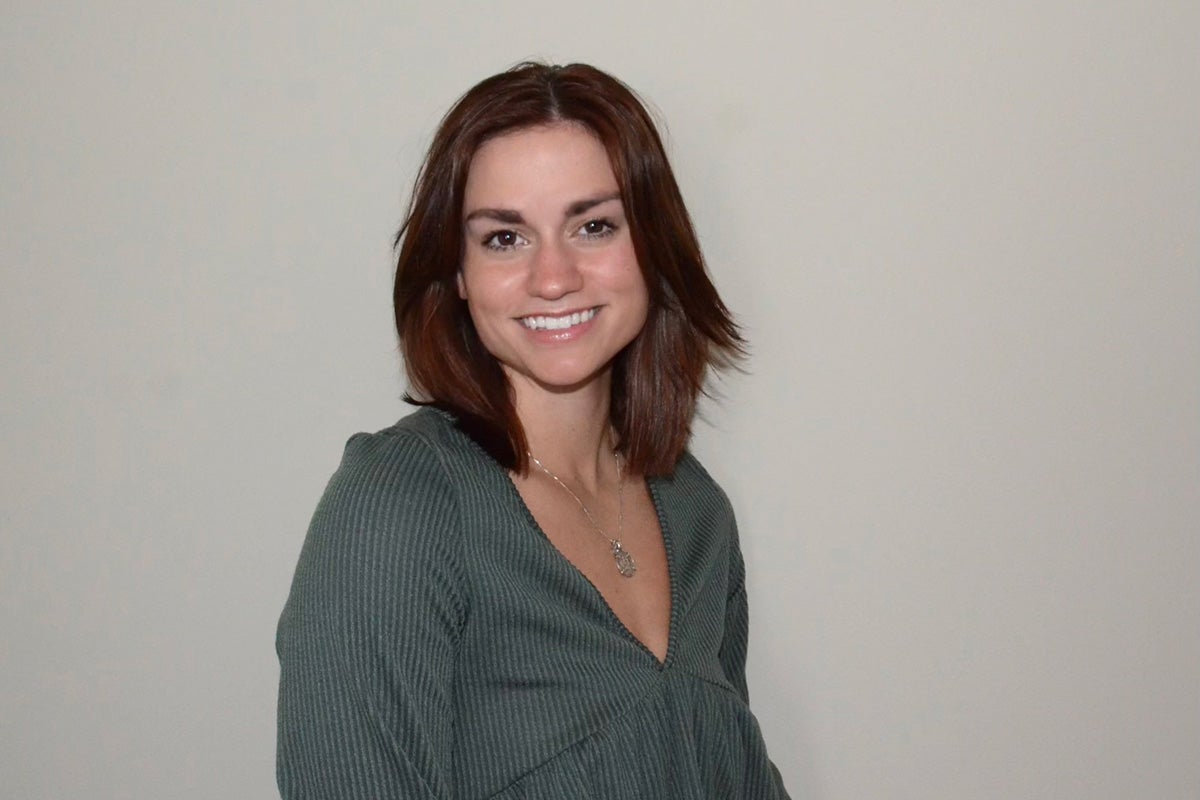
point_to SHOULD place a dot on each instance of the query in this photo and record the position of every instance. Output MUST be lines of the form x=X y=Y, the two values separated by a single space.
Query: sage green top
x=436 y=644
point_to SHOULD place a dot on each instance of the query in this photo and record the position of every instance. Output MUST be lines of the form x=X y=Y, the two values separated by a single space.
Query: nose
x=554 y=271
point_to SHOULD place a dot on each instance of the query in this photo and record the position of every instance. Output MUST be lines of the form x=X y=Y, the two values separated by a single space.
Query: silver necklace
x=625 y=563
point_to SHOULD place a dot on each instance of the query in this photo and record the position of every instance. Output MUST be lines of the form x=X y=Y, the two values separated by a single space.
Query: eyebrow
x=511 y=217
x=504 y=215
x=580 y=206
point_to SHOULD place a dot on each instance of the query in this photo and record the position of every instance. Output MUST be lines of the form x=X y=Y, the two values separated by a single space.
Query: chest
x=619 y=549
x=546 y=599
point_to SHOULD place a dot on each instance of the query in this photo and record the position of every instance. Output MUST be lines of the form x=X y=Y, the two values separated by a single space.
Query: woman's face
x=549 y=272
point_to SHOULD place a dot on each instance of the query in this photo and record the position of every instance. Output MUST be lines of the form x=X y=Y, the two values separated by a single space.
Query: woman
x=530 y=588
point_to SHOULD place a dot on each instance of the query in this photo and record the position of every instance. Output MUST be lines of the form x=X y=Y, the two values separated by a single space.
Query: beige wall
x=964 y=239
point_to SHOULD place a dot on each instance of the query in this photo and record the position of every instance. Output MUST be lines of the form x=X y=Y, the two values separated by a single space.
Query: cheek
x=645 y=311
x=475 y=285
x=637 y=283
x=484 y=330
x=638 y=298
x=621 y=270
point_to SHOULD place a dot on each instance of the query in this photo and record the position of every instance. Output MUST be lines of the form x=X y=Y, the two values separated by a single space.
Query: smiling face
x=549 y=271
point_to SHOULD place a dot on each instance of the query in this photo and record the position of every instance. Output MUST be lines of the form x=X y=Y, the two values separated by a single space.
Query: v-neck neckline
x=653 y=489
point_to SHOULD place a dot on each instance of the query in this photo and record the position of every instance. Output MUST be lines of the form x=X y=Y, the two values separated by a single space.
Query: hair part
x=659 y=376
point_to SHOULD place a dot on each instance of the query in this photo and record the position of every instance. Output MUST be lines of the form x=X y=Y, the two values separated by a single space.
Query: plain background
x=963 y=238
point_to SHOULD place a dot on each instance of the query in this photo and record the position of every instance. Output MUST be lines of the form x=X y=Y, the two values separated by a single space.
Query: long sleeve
x=734 y=645
x=367 y=640
x=737 y=622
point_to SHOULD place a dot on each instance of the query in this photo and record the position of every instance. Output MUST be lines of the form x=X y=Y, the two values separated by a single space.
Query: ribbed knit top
x=437 y=645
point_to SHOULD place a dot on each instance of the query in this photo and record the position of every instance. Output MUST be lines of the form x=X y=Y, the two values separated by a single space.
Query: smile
x=558 y=323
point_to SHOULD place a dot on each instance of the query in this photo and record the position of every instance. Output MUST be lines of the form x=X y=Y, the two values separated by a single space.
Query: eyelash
x=609 y=228
x=490 y=241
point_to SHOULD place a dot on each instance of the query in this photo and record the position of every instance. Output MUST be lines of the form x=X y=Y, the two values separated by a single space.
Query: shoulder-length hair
x=658 y=377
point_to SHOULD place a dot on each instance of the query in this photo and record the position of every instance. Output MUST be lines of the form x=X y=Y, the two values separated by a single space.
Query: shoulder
x=693 y=484
x=424 y=438
x=696 y=510
x=689 y=468
x=392 y=491
x=386 y=527
x=381 y=565
x=404 y=464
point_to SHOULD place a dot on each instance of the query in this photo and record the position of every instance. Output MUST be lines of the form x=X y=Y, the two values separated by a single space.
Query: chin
x=566 y=379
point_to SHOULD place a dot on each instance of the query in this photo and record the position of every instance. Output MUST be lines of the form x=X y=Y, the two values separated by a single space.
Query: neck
x=569 y=432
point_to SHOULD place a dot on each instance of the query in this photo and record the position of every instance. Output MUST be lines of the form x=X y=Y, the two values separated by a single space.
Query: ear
x=462 y=288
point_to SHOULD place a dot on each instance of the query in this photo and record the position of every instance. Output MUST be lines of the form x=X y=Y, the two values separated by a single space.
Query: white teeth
x=558 y=323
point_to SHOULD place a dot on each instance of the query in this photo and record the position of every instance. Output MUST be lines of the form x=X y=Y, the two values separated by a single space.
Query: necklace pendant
x=625 y=563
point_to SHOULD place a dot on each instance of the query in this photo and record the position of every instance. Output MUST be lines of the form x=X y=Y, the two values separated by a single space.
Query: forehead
x=552 y=162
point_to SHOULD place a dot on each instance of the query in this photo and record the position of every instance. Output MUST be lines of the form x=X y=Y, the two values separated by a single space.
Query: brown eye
x=597 y=228
x=502 y=240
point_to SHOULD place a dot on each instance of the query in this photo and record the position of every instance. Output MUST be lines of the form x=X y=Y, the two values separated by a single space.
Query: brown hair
x=658 y=377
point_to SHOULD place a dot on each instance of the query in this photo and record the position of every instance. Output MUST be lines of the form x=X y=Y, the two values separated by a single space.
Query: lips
x=558 y=323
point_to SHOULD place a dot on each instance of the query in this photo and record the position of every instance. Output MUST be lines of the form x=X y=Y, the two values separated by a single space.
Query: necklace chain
x=623 y=558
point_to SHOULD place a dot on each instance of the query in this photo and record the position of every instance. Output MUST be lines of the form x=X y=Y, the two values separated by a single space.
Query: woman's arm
x=737 y=621
x=367 y=639
x=734 y=645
